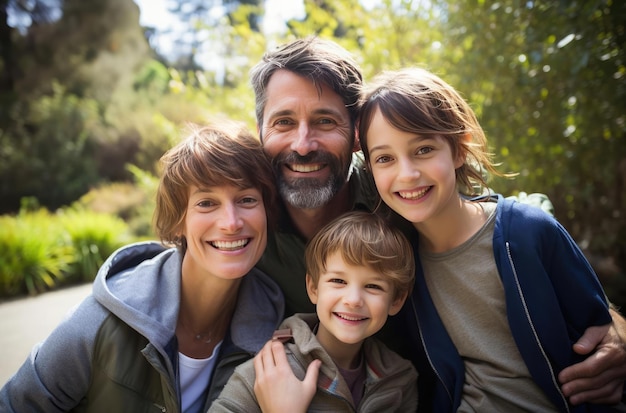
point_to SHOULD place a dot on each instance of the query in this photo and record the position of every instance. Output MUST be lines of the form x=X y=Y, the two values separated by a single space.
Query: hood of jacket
x=141 y=283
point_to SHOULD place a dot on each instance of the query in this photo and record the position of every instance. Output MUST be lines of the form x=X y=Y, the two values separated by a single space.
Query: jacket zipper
x=162 y=408
x=432 y=365
x=532 y=326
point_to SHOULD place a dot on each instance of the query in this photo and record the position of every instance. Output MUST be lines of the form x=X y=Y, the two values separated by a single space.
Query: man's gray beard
x=304 y=194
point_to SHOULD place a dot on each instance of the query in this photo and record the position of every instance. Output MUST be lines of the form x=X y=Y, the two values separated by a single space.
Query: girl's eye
x=424 y=150
x=249 y=200
x=383 y=159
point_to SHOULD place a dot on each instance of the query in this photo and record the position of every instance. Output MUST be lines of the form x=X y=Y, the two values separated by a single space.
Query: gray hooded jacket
x=117 y=351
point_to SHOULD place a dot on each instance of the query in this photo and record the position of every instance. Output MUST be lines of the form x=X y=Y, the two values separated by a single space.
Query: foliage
x=93 y=236
x=45 y=150
x=131 y=202
x=34 y=253
x=40 y=251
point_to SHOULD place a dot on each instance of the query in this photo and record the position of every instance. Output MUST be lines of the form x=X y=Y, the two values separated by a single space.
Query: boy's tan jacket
x=390 y=386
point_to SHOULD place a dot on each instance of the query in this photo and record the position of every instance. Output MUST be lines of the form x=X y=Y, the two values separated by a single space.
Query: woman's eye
x=205 y=204
x=383 y=159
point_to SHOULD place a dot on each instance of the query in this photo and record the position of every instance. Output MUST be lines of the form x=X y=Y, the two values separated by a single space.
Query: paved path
x=27 y=321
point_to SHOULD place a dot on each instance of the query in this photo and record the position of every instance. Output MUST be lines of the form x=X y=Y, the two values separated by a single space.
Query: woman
x=165 y=327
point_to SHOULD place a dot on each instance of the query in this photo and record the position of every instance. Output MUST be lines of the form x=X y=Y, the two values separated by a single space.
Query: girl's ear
x=311 y=289
x=464 y=143
x=397 y=304
x=357 y=143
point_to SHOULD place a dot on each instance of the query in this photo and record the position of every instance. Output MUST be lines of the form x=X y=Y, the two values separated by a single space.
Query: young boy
x=359 y=271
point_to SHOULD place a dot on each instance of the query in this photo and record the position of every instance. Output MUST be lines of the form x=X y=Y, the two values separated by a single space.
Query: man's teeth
x=413 y=194
x=230 y=245
x=297 y=167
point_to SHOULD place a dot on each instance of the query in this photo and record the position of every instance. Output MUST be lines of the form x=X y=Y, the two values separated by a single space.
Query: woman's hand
x=276 y=388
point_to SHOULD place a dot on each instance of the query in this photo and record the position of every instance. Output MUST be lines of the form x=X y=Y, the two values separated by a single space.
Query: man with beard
x=307 y=94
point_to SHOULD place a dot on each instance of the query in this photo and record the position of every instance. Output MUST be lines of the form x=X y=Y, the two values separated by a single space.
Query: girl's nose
x=408 y=170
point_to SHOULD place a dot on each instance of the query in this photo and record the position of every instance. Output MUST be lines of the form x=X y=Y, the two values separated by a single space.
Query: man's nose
x=304 y=142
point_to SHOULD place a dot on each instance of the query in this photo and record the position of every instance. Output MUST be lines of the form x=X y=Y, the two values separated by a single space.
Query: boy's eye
x=336 y=281
x=375 y=287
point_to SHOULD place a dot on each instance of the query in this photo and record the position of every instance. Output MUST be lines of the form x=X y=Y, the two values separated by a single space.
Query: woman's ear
x=311 y=289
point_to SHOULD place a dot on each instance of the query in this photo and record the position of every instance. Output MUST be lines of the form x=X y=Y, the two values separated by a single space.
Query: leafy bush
x=93 y=236
x=47 y=145
x=132 y=202
x=40 y=251
x=34 y=253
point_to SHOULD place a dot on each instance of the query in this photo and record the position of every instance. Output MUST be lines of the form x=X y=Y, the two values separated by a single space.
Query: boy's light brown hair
x=364 y=239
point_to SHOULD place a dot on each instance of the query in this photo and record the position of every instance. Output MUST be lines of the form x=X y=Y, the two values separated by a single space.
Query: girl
x=165 y=327
x=502 y=291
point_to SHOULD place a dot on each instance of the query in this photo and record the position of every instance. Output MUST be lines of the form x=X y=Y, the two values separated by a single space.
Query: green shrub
x=132 y=202
x=34 y=253
x=93 y=236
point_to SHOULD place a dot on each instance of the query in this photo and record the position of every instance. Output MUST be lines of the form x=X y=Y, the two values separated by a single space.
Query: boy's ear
x=397 y=304
x=311 y=289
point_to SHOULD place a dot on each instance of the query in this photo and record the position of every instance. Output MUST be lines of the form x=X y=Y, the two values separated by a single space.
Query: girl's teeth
x=413 y=194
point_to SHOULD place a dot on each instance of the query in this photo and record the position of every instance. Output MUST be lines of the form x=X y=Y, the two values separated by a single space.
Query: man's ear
x=258 y=133
x=311 y=289
x=397 y=304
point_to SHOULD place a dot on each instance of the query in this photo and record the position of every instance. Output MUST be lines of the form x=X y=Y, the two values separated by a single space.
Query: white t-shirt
x=195 y=377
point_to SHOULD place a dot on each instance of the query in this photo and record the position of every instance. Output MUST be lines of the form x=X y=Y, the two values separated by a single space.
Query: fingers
x=600 y=377
x=610 y=393
x=592 y=337
x=312 y=372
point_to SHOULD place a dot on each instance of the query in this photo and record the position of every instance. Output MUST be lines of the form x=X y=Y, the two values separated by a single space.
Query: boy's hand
x=600 y=378
x=276 y=388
